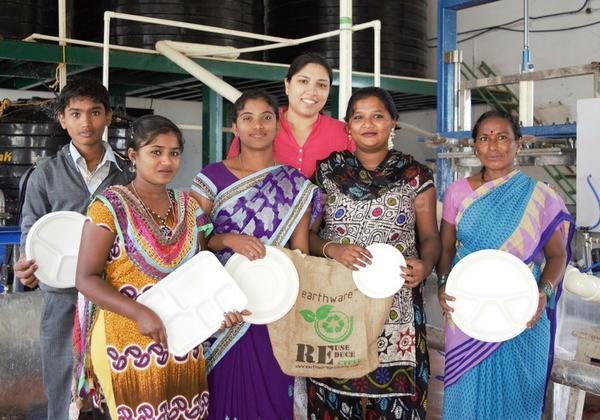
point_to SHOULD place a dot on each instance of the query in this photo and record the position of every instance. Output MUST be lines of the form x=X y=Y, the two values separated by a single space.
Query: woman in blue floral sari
x=253 y=201
x=502 y=208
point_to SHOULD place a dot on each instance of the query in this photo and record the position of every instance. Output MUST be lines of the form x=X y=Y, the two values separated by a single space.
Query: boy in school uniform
x=68 y=181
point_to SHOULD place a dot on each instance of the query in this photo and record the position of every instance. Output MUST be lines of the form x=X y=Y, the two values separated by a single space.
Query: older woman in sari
x=253 y=201
x=502 y=208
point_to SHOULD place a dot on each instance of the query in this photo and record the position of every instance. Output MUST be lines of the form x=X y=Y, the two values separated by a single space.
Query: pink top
x=454 y=196
x=327 y=135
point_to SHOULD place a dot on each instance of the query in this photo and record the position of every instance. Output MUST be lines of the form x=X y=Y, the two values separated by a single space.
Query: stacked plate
x=496 y=295
x=53 y=242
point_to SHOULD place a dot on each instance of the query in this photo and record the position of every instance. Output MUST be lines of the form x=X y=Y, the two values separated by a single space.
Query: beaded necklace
x=163 y=227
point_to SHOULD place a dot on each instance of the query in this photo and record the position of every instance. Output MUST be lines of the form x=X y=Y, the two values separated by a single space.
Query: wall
x=180 y=112
x=502 y=49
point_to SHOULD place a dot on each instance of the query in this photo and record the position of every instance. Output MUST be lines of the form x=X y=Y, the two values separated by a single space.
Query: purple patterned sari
x=245 y=379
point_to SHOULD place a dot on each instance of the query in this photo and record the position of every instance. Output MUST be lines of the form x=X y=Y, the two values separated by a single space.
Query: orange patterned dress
x=138 y=377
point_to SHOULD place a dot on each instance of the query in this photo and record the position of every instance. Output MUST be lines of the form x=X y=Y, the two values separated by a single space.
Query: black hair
x=309 y=58
x=369 y=92
x=82 y=88
x=148 y=127
x=514 y=124
x=254 y=94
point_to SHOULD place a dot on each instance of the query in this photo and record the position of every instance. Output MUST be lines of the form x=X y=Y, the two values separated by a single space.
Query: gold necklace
x=163 y=227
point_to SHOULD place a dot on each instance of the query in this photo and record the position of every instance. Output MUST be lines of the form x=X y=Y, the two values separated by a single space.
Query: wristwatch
x=547 y=288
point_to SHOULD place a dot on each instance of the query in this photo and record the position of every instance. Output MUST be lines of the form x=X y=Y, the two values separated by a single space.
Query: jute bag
x=332 y=329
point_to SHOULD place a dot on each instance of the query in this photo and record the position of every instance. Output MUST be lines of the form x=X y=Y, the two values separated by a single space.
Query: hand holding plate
x=351 y=256
x=233 y=317
x=249 y=246
x=415 y=272
x=444 y=298
x=150 y=325
x=25 y=271
x=540 y=309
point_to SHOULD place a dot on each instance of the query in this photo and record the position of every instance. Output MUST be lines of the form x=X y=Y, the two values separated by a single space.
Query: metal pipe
x=377 y=54
x=62 y=33
x=526 y=24
x=345 y=87
x=582 y=376
x=218 y=85
x=197 y=27
x=36 y=36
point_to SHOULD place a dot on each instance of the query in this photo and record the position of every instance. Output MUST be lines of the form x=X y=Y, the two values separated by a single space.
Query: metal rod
x=345 y=53
x=525 y=24
x=197 y=27
x=571 y=71
x=62 y=32
x=207 y=78
x=36 y=36
x=582 y=376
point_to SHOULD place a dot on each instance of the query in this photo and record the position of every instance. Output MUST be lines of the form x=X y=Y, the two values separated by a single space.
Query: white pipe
x=416 y=130
x=345 y=88
x=377 y=54
x=36 y=36
x=105 y=49
x=584 y=285
x=62 y=32
x=218 y=85
x=194 y=127
x=194 y=26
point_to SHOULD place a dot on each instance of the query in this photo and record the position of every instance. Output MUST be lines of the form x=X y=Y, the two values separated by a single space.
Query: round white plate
x=496 y=295
x=53 y=242
x=381 y=278
x=270 y=284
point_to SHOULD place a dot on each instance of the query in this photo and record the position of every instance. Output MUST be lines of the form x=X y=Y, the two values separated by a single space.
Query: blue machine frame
x=446 y=97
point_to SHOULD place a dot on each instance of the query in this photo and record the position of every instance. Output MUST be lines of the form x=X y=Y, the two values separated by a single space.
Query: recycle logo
x=331 y=326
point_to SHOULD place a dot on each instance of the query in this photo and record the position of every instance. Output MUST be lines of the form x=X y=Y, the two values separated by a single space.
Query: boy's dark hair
x=82 y=88
x=254 y=94
x=309 y=58
x=514 y=124
x=370 y=92
x=148 y=127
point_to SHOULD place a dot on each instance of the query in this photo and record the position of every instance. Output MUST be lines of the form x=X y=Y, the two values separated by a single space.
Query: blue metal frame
x=447 y=10
x=548 y=131
x=10 y=235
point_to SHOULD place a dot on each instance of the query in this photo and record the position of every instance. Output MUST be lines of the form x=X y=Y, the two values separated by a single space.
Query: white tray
x=270 y=283
x=381 y=278
x=496 y=295
x=53 y=242
x=192 y=299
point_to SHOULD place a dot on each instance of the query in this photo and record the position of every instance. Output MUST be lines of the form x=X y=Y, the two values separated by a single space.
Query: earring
x=132 y=167
x=391 y=139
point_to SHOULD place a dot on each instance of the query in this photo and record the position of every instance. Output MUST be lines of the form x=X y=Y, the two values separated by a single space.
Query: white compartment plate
x=53 y=242
x=192 y=299
x=381 y=278
x=270 y=283
x=496 y=295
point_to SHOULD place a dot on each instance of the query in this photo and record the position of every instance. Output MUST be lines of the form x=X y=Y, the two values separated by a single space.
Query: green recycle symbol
x=331 y=326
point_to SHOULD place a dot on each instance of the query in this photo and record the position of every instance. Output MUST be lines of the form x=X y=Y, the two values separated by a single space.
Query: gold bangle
x=325 y=246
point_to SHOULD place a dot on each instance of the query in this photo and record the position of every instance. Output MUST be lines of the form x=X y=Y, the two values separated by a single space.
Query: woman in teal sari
x=253 y=201
x=502 y=208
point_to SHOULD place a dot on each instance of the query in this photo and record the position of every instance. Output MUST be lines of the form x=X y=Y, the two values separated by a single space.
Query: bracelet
x=547 y=288
x=325 y=246
x=442 y=280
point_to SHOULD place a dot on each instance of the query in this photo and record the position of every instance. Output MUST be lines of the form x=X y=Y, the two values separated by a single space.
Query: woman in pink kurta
x=305 y=135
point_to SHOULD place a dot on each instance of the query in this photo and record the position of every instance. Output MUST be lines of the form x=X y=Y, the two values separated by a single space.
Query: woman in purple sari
x=253 y=201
